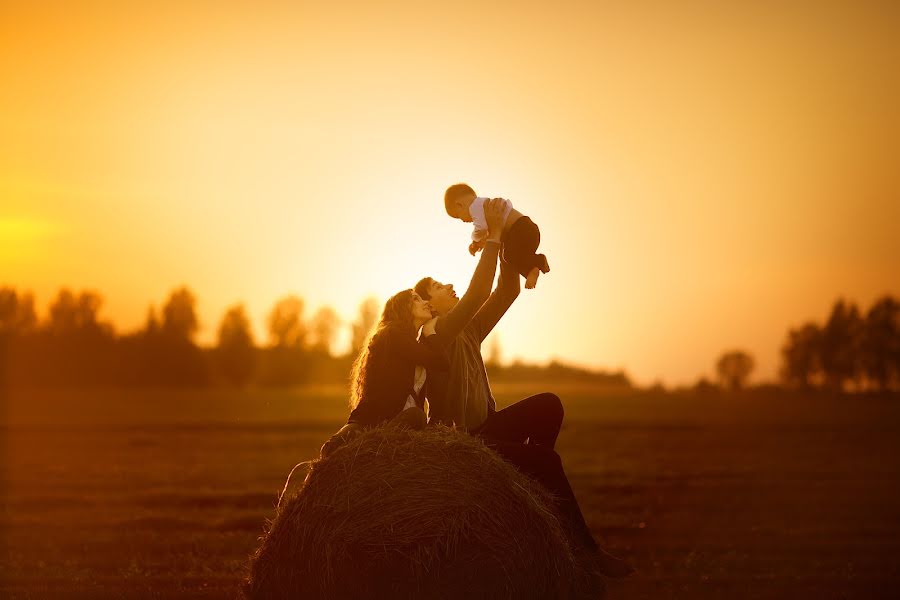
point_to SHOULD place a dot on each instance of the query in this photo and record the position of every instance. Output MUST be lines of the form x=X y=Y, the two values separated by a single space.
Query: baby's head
x=457 y=199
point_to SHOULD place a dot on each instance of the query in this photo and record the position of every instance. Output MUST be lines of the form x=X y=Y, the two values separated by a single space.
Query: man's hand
x=493 y=214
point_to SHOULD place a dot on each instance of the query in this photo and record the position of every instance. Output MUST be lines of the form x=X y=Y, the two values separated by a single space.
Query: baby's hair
x=453 y=192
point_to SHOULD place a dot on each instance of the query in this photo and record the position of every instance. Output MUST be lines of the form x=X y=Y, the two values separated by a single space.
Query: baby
x=520 y=237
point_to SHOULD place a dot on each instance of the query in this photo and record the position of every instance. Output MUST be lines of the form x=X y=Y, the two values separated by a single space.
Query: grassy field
x=163 y=494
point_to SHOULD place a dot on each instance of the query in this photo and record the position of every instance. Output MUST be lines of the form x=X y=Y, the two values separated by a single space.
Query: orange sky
x=703 y=177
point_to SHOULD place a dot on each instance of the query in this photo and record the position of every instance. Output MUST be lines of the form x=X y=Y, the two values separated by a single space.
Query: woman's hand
x=429 y=327
x=343 y=435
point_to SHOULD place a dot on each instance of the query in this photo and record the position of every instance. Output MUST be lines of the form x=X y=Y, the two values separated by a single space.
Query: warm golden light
x=697 y=186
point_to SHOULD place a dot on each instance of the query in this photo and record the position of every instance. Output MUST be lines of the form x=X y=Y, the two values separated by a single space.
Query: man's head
x=441 y=295
x=457 y=199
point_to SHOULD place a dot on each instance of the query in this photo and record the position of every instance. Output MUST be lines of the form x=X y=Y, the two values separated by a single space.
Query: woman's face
x=421 y=309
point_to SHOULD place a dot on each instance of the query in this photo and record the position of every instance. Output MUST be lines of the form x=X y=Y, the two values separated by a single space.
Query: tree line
x=851 y=351
x=72 y=345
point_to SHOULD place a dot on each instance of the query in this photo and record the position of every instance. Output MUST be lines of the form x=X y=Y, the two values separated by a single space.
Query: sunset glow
x=699 y=188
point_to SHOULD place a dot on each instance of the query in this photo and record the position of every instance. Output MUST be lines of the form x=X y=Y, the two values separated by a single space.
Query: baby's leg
x=519 y=246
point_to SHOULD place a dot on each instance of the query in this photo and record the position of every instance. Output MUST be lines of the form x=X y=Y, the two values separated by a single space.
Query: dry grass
x=413 y=514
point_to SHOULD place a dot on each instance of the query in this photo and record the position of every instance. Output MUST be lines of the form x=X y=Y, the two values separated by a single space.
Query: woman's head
x=405 y=310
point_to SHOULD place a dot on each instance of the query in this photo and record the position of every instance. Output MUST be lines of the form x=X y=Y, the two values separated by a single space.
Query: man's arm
x=507 y=291
x=479 y=289
x=459 y=316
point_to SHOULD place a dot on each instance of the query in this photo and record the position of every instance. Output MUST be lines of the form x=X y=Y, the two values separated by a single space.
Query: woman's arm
x=416 y=352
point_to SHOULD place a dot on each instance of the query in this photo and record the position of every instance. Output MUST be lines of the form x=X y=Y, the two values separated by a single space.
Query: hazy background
x=704 y=176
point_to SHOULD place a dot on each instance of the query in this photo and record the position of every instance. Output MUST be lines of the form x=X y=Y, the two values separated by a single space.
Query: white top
x=476 y=210
x=417 y=385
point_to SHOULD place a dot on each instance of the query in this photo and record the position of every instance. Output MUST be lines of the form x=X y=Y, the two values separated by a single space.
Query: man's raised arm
x=507 y=291
x=479 y=288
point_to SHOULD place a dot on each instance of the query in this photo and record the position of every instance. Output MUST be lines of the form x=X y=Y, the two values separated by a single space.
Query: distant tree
x=704 y=386
x=74 y=347
x=324 y=328
x=494 y=353
x=17 y=314
x=734 y=368
x=365 y=321
x=285 y=323
x=151 y=326
x=180 y=315
x=235 y=356
x=881 y=344
x=77 y=315
x=164 y=352
x=801 y=356
x=841 y=345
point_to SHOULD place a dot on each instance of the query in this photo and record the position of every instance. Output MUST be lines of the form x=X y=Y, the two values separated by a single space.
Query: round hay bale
x=399 y=513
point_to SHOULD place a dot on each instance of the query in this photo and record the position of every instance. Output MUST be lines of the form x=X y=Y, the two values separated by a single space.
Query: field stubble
x=163 y=493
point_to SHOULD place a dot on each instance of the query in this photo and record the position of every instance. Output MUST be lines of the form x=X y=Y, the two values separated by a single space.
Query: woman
x=388 y=376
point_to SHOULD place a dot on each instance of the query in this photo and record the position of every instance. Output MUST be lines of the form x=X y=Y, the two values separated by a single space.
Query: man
x=463 y=396
x=525 y=433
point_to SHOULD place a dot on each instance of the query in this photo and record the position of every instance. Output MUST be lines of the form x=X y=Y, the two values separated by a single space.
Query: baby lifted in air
x=520 y=237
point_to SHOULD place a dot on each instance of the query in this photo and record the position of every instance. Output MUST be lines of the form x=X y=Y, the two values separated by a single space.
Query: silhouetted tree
x=734 y=368
x=704 y=386
x=180 y=315
x=801 y=356
x=152 y=326
x=494 y=353
x=368 y=315
x=74 y=346
x=881 y=344
x=17 y=321
x=841 y=345
x=235 y=355
x=324 y=328
x=285 y=362
x=285 y=323
x=166 y=350
x=17 y=314
x=77 y=315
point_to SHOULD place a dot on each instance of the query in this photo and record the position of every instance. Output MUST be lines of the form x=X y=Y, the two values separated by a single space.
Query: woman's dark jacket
x=390 y=374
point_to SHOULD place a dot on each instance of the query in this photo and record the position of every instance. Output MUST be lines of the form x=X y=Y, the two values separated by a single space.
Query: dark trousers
x=544 y=466
x=520 y=244
x=535 y=419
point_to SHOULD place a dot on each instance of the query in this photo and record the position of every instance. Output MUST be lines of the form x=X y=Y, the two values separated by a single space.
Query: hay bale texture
x=400 y=513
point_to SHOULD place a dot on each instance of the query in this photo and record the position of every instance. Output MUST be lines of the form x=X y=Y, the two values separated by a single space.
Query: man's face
x=443 y=297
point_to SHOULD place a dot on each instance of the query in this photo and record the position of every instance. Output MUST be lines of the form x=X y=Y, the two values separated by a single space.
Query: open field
x=162 y=494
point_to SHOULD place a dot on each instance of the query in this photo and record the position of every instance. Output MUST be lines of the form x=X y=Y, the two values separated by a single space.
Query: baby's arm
x=476 y=247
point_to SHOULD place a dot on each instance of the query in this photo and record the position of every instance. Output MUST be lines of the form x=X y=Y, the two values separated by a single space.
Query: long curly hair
x=398 y=312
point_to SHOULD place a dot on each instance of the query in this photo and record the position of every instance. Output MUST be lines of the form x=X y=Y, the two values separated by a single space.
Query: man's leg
x=545 y=466
x=536 y=419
